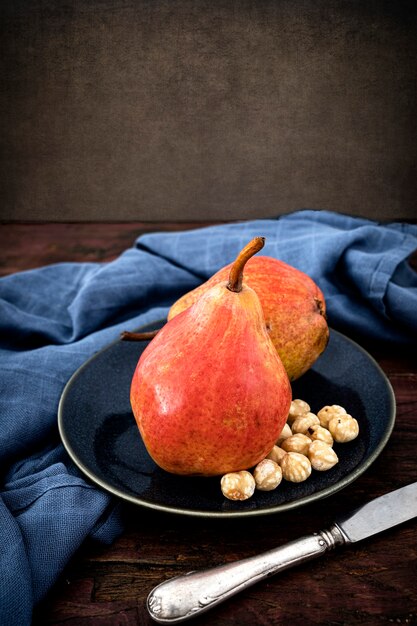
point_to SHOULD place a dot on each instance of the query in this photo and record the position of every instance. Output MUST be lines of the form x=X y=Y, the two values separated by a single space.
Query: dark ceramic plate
x=99 y=432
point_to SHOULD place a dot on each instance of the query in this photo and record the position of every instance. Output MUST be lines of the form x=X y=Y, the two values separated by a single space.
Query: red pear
x=293 y=306
x=210 y=394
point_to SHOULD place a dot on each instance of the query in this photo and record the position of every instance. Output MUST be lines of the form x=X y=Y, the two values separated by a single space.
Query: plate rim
x=280 y=508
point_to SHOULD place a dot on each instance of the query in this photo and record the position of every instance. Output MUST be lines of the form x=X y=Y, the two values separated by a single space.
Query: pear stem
x=145 y=336
x=236 y=271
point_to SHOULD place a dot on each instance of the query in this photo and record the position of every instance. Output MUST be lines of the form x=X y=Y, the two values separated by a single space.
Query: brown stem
x=146 y=336
x=236 y=271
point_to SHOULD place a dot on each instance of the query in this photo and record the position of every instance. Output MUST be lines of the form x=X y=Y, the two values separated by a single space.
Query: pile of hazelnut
x=305 y=443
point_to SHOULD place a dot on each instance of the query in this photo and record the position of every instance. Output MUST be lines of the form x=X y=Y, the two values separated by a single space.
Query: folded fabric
x=54 y=318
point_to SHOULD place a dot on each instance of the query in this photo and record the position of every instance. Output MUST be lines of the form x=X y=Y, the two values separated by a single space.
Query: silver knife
x=181 y=598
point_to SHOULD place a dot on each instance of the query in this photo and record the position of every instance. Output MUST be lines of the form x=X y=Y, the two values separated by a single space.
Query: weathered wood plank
x=29 y=245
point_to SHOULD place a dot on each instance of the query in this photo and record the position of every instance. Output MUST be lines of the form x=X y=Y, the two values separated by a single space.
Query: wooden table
x=373 y=582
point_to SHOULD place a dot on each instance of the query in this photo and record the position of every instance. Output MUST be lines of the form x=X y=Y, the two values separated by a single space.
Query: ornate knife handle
x=184 y=597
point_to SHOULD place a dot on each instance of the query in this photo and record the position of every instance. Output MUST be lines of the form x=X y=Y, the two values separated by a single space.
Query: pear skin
x=294 y=308
x=210 y=394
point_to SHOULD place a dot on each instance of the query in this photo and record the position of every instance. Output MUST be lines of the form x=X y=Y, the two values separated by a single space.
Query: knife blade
x=184 y=597
x=379 y=514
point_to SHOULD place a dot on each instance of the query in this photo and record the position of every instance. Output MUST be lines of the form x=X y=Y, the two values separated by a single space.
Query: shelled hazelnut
x=302 y=424
x=298 y=407
x=238 y=485
x=285 y=432
x=319 y=433
x=343 y=428
x=296 y=443
x=276 y=454
x=327 y=412
x=295 y=467
x=322 y=456
x=267 y=475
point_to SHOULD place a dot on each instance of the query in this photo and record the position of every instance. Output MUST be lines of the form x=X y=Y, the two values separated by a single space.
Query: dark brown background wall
x=182 y=110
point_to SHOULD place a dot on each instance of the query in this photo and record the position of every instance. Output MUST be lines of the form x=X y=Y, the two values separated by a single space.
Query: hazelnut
x=319 y=433
x=295 y=467
x=327 y=412
x=297 y=408
x=302 y=424
x=322 y=456
x=296 y=443
x=267 y=475
x=344 y=428
x=238 y=485
x=276 y=454
x=285 y=432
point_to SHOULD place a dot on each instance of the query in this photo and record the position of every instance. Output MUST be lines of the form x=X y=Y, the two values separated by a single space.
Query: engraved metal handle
x=184 y=597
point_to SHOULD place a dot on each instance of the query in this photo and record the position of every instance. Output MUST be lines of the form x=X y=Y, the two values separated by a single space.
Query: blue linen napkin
x=52 y=319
